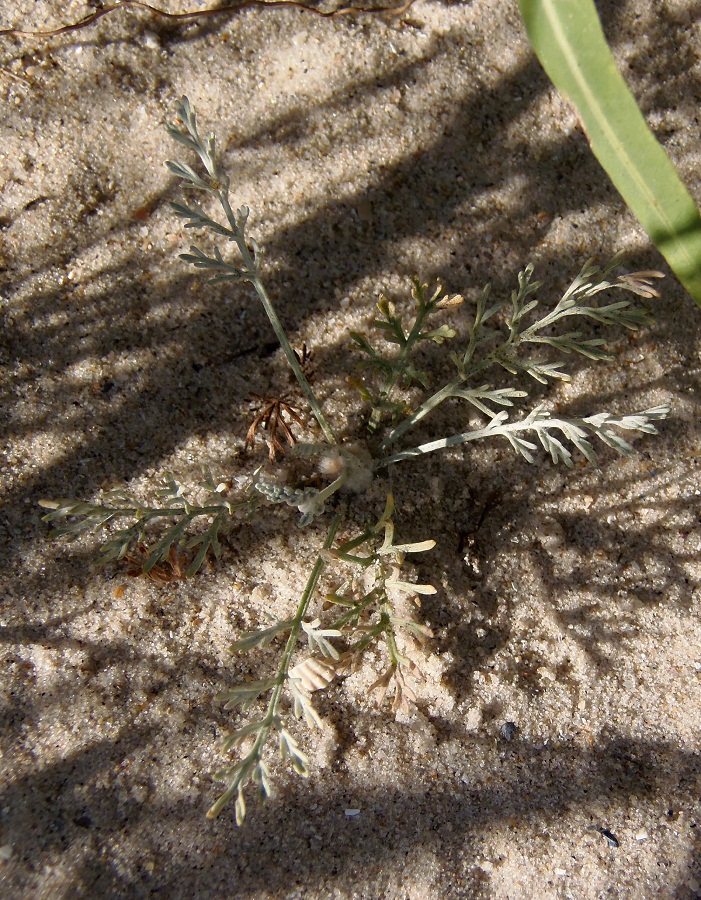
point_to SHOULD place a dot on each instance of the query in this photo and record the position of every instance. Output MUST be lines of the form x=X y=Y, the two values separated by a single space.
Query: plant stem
x=271 y=719
x=398 y=365
x=445 y=393
x=302 y=611
x=425 y=408
x=251 y=269
x=451 y=441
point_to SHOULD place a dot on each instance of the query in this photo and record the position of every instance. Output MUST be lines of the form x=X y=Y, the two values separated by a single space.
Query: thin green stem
x=445 y=393
x=398 y=365
x=302 y=611
x=356 y=609
x=251 y=269
x=439 y=444
x=271 y=719
x=142 y=512
x=331 y=489
x=356 y=542
x=396 y=657
x=464 y=374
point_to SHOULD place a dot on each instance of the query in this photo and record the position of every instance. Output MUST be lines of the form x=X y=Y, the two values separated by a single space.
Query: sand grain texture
x=368 y=150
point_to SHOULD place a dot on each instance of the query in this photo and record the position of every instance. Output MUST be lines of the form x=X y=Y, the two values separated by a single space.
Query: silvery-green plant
x=369 y=608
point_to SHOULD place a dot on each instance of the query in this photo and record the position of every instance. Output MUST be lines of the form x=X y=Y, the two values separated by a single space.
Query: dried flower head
x=276 y=415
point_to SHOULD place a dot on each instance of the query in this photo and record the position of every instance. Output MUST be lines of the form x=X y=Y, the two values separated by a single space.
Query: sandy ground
x=368 y=149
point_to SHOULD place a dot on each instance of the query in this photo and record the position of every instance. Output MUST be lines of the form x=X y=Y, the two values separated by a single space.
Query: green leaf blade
x=568 y=38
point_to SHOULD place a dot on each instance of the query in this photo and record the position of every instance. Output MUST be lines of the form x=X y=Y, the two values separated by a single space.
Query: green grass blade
x=568 y=38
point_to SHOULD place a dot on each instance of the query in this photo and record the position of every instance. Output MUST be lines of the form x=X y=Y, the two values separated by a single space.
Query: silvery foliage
x=368 y=609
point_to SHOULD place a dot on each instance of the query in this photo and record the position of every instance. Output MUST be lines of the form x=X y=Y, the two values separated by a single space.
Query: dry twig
x=200 y=14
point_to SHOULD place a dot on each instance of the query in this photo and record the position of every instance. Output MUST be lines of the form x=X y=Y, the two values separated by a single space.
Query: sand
x=368 y=149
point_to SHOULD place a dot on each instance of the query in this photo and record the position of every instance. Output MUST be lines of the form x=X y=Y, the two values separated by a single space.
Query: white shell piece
x=314 y=674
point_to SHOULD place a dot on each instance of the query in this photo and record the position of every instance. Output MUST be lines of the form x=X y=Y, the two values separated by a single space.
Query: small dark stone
x=611 y=838
x=83 y=821
x=509 y=730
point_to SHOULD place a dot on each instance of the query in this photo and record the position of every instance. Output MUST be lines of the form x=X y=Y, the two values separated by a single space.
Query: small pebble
x=611 y=838
x=509 y=730
x=150 y=40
